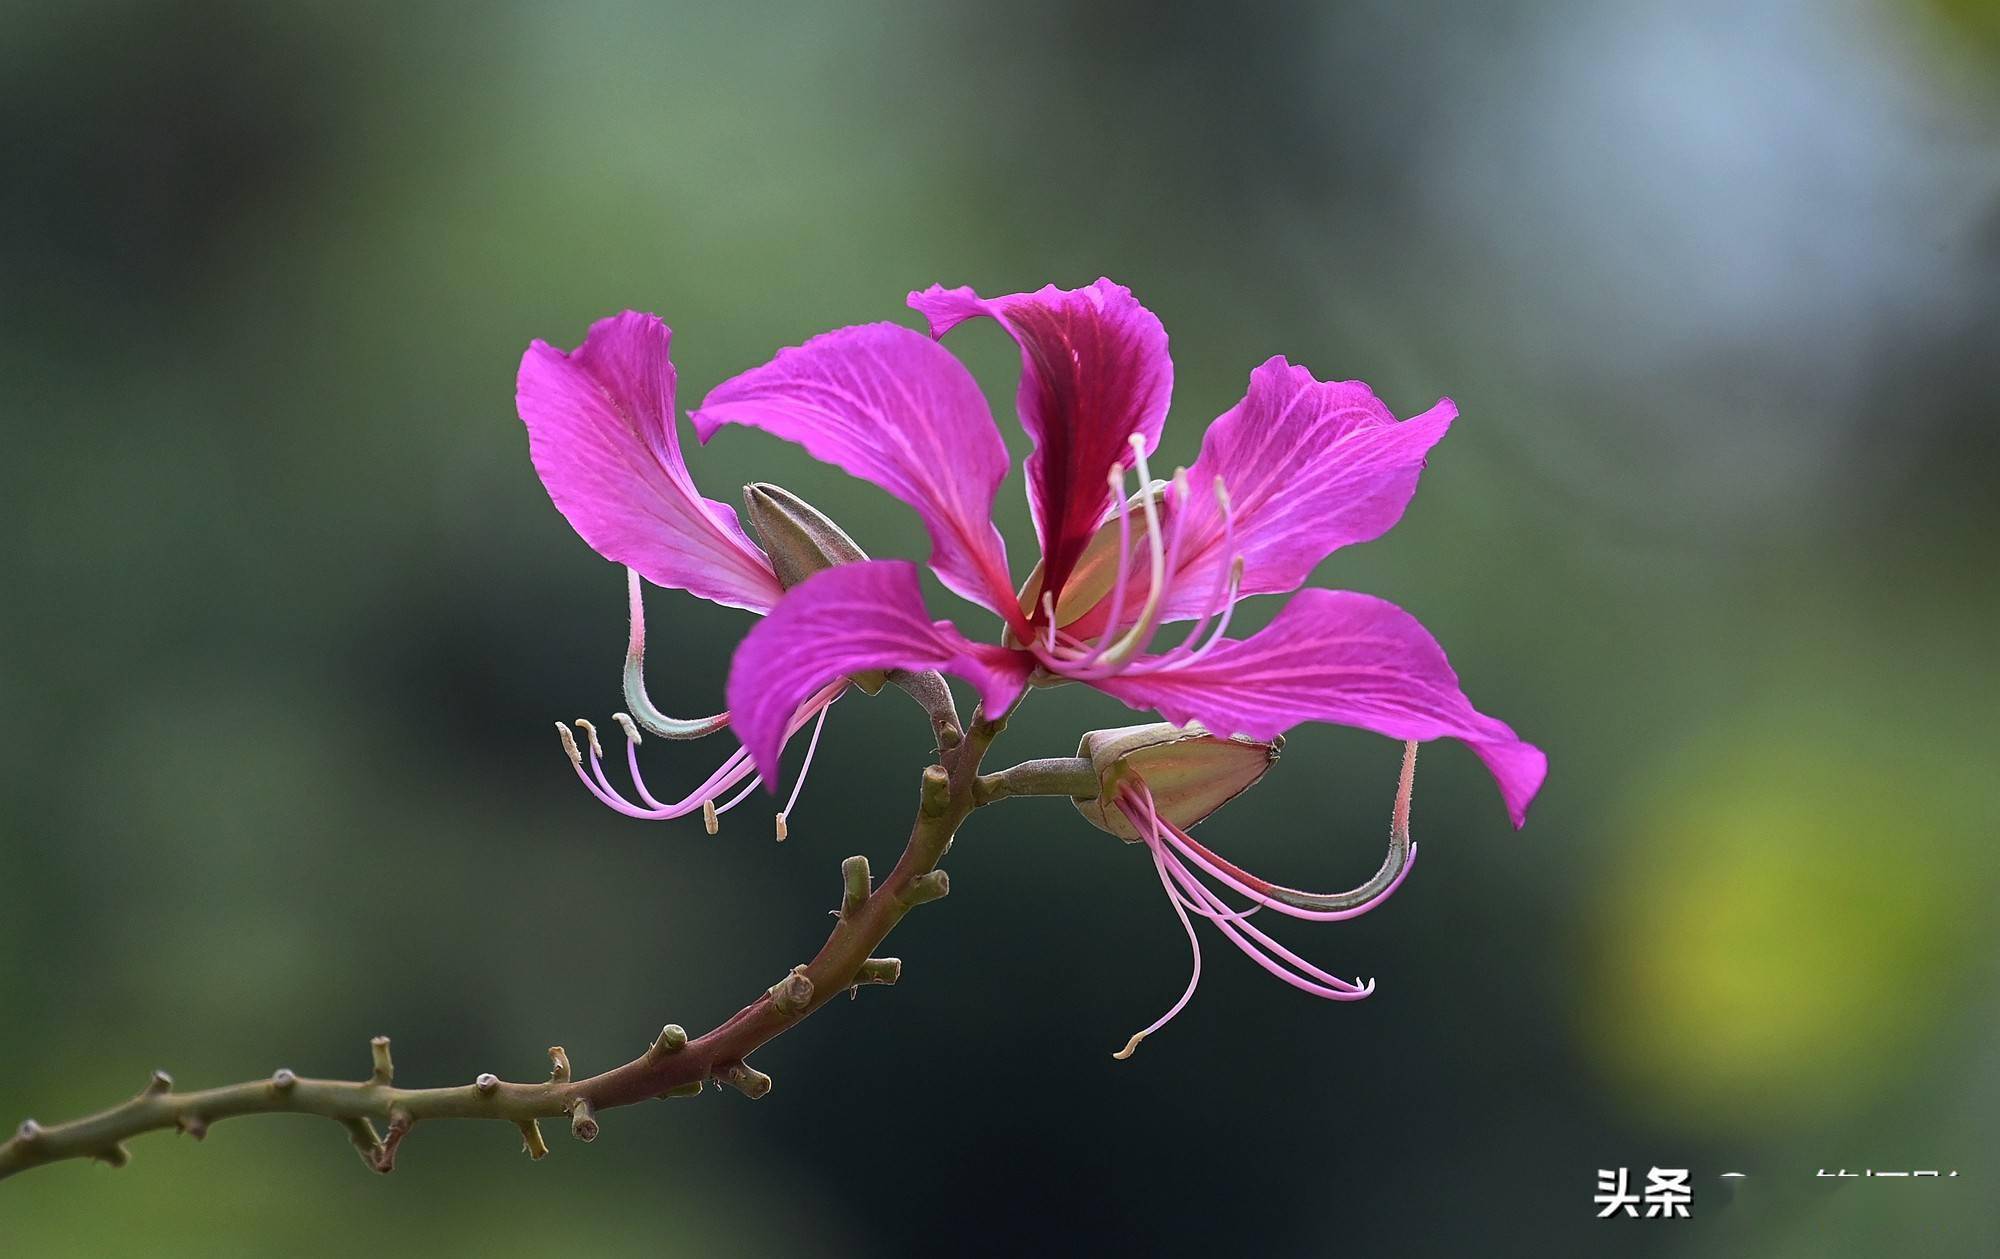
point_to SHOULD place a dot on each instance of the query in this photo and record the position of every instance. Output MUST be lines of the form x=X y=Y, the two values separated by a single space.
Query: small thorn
x=745 y=1079
x=784 y=831
x=558 y=1065
x=590 y=732
x=690 y=1089
x=583 y=1120
x=879 y=970
x=630 y=727
x=383 y=1158
x=193 y=1125
x=283 y=1079
x=1131 y=1047
x=792 y=994
x=361 y=1135
x=488 y=1083
x=160 y=1083
x=385 y=1068
x=569 y=745
x=926 y=888
x=531 y=1140
x=709 y=821
x=113 y=1156
x=857 y=882
x=672 y=1039
x=29 y=1132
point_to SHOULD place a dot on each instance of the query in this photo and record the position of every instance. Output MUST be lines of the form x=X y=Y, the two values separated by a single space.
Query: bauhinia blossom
x=1296 y=470
x=601 y=433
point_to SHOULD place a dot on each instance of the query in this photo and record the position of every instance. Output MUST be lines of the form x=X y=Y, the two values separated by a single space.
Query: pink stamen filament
x=1166 y=559
x=1222 y=594
x=733 y=771
x=1187 y=894
x=799 y=784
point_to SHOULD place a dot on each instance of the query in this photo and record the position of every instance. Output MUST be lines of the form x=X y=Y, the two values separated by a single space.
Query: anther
x=709 y=822
x=596 y=748
x=630 y=727
x=783 y=831
x=569 y=745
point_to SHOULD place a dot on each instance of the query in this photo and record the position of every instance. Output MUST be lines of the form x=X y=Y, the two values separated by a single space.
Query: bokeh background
x=287 y=617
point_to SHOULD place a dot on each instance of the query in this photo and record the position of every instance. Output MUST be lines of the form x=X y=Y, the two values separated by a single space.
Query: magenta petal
x=1094 y=371
x=1349 y=659
x=1310 y=466
x=891 y=406
x=601 y=433
x=843 y=621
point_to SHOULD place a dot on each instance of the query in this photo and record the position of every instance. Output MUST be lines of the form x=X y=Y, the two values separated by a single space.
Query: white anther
x=709 y=821
x=596 y=748
x=630 y=727
x=569 y=745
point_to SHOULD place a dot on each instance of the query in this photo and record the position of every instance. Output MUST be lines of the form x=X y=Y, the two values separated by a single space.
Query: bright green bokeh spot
x=1788 y=925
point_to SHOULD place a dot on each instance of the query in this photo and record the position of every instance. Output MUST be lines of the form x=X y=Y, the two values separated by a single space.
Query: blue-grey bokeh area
x=286 y=619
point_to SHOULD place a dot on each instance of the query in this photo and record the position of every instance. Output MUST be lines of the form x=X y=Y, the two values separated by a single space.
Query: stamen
x=1121 y=580
x=800 y=784
x=1194 y=947
x=1317 y=906
x=1104 y=663
x=1330 y=986
x=635 y=679
x=1222 y=595
x=1049 y=611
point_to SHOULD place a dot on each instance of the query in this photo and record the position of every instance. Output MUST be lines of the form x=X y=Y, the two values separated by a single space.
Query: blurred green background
x=285 y=617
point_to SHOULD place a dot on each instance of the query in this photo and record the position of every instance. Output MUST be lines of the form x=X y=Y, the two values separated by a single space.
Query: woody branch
x=378 y=1115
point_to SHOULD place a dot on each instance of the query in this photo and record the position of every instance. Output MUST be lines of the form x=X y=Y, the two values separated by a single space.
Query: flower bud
x=801 y=541
x=1190 y=772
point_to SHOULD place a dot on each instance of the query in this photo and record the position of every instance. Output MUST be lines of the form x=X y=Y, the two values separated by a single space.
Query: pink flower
x=1296 y=470
x=601 y=433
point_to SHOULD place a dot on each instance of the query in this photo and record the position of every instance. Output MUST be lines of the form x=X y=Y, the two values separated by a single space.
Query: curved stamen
x=636 y=698
x=1166 y=557
x=1135 y=800
x=799 y=784
x=1194 y=947
x=1222 y=595
x=1316 y=906
x=1121 y=579
x=1300 y=973
x=734 y=770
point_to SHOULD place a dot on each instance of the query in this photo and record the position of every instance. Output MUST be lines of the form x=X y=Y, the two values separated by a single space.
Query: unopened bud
x=1190 y=772
x=801 y=541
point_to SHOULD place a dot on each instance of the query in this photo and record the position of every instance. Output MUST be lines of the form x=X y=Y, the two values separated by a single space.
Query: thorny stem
x=675 y=1065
